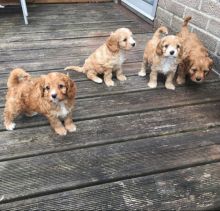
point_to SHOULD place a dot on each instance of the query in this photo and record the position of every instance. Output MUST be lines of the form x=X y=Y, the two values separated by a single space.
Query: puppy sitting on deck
x=163 y=54
x=52 y=95
x=195 y=60
x=108 y=58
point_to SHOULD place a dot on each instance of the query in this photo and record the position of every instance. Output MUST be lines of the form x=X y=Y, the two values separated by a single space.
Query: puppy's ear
x=40 y=85
x=159 y=49
x=113 y=43
x=71 y=88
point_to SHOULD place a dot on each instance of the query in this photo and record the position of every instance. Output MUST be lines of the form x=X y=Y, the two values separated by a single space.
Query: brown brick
x=214 y=27
x=190 y=3
x=211 y=7
x=209 y=41
x=163 y=17
x=197 y=18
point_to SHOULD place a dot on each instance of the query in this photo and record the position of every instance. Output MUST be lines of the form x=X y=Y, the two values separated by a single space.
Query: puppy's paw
x=10 y=126
x=142 y=73
x=31 y=114
x=71 y=127
x=121 y=77
x=170 y=86
x=180 y=80
x=109 y=83
x=60 y=131
x=98 y=80
x=152 y=84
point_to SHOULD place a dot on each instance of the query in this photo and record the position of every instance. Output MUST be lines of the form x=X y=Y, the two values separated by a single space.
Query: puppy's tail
x=186 y=21
x=160 y=31
x=75 y=68
x=17 y=76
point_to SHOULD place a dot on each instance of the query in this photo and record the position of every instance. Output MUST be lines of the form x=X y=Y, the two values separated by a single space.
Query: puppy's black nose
x=54 y=96
x=198 y=79
x=133 y=44
x=172 y=52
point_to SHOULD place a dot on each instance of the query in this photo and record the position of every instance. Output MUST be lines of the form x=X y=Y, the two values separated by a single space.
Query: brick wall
x=205 y=21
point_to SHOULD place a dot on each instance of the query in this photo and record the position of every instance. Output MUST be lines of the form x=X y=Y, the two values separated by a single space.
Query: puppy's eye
x=178 y=46
x=166 y=46
x=125 y=39
x=47 y=88
x=193 y=70
x=60 y=86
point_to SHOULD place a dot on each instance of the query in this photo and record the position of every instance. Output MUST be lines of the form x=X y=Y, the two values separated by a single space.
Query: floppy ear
x=71 y=88
x=113 y=43
x=159 y=49
x=40 y=85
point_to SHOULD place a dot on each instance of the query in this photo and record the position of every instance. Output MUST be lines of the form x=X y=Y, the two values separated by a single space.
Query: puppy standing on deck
x=108 y=58
x=163 y=54
x=52 y=95
x=195 y=60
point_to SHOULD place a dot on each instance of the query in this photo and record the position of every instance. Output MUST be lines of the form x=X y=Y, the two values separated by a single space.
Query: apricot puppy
x=108 y=58
x=51 y=95
x=195 y=60
x=163 y=54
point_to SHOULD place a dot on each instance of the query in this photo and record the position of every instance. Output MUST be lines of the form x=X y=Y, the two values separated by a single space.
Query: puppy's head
x=57 y=87
x=199 y=68
x=170 y=46
x=120 y=39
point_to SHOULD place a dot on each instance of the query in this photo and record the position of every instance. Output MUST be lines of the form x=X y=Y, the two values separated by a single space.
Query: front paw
x=170 y=86
x=10 y=126
x=152 y=84
x=109 y=83
x=121 y=77
x=60 y=131
x=71 y=127
x=142 y=73
x=180 y=80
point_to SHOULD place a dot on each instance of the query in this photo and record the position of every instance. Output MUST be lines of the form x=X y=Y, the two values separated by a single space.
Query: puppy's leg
x=92 y=75
x=169 y=81
x=69 y=125
x=108 y=78
x=119 y=75
x=153 y=78
x=143 y=68
x=9 y=117
x=57 y=125
x=181 y=78
x=12 y=110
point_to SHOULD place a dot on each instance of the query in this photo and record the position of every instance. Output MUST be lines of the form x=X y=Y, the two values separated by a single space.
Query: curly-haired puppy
x=195 y=60
x=51 y=95
x=163 y=54
x=108 y=58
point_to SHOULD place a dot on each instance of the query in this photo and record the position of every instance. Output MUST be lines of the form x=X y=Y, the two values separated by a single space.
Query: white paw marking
x=11 y=126
x=142 y=73
x=152 y=85
x=98 y=80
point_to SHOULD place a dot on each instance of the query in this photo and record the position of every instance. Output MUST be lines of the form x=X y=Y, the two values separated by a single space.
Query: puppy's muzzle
x=133 y=44
x=54 y=96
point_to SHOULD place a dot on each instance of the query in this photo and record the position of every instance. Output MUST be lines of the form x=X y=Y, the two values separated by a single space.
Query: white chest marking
x=122 y=57
x=167 y=64
x=63 y=112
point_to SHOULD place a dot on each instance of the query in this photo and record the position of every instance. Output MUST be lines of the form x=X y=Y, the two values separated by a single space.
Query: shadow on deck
x=135 y=148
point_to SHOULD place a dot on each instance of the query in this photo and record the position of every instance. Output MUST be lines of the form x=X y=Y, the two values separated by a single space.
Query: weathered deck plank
x=74 y=169
x=188 y=189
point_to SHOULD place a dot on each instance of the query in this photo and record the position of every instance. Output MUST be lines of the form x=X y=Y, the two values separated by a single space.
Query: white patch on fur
x=63 y=111
x=98 y=80
x=166 y=64
x=11 y=126
x=131 y=40
x=169 y=49
x=122 y=57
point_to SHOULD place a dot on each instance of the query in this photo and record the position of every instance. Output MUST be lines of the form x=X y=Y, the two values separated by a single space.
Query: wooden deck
x=135 y=148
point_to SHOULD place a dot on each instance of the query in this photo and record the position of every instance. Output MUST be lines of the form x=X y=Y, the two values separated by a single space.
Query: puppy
x=163 y=54
x=108 y=58
x=195 y=60
x=51 y=95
